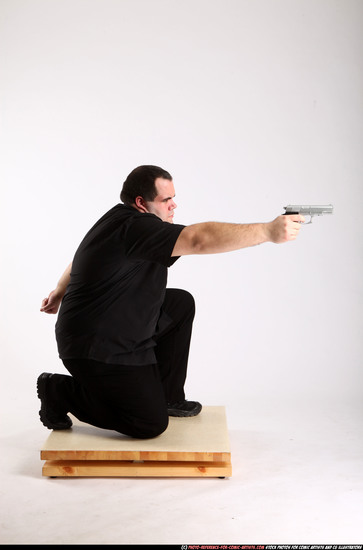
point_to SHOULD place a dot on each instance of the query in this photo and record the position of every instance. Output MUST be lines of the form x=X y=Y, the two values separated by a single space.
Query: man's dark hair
x=141 y=183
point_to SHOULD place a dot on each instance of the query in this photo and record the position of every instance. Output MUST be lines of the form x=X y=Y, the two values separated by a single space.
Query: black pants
x=131 y=399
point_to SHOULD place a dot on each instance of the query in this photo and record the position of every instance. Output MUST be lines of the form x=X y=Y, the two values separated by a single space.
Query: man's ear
x=140 y=204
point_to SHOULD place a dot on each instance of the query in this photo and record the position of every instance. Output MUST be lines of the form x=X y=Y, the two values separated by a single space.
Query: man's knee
x=188 y=300
x=182 y=299
x=146 y=429
x=151 y=432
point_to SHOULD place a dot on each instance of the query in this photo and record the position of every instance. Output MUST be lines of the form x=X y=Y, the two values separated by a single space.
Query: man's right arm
x=52 y=303
x=216 y=237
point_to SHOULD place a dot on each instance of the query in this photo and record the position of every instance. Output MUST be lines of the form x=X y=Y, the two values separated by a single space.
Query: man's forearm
x=52 y=302
x=64 y=281
x=216 y=237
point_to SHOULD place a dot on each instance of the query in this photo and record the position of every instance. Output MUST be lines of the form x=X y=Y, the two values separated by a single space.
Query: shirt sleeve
x=148 y=238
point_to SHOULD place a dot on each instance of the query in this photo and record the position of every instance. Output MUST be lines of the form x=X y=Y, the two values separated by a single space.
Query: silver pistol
x=308 y=210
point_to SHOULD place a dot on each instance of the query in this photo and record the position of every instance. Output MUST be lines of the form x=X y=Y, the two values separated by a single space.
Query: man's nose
x=173 y=205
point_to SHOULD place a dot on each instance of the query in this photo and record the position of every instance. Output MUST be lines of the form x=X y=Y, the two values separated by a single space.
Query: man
x=124 y=337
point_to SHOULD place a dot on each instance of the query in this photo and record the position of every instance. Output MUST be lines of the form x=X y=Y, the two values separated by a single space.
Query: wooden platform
x=190 y=447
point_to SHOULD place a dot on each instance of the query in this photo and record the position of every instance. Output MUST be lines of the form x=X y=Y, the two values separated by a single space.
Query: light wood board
x=192 y=447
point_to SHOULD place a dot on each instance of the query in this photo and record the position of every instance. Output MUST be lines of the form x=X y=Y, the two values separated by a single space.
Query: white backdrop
x=251 y=105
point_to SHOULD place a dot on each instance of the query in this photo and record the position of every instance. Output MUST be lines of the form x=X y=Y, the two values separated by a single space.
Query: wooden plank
x=201 y=438
x=135 y=455
x=190 y=447
x=115 y=468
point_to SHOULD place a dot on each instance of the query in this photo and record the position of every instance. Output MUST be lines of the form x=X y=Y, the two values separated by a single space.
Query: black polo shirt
x=112 y=306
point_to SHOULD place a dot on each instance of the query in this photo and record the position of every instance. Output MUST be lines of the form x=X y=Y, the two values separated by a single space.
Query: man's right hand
x=52 y=303
x=284 y=228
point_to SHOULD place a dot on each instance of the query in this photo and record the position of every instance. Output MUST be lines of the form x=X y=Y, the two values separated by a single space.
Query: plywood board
x=121 y=468
x=196 y=446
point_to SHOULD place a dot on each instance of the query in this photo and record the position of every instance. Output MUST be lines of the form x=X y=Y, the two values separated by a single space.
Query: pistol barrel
x=308 y=209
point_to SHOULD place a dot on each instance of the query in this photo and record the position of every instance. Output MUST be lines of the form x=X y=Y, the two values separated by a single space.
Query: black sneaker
x=50 y=418
x=184 y=408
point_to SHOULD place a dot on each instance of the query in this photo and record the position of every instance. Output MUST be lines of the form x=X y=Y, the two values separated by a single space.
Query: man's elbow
x=190 y=241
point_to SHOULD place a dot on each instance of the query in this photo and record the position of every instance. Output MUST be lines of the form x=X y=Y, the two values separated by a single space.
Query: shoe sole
x=184 y=414
x=41 y=382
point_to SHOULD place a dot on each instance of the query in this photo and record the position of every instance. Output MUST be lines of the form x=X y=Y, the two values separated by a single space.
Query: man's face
x=163 y=205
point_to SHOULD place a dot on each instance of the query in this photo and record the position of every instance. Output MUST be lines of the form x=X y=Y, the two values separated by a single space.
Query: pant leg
x=127 y=399
x=173 y=343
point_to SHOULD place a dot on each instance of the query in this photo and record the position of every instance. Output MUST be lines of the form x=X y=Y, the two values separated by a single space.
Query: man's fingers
x=47 y=309
x=293 y=226
x=286 y=228
x=297 y=218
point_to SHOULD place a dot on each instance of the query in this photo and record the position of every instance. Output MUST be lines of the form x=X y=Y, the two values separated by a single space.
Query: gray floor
x=297 y=478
